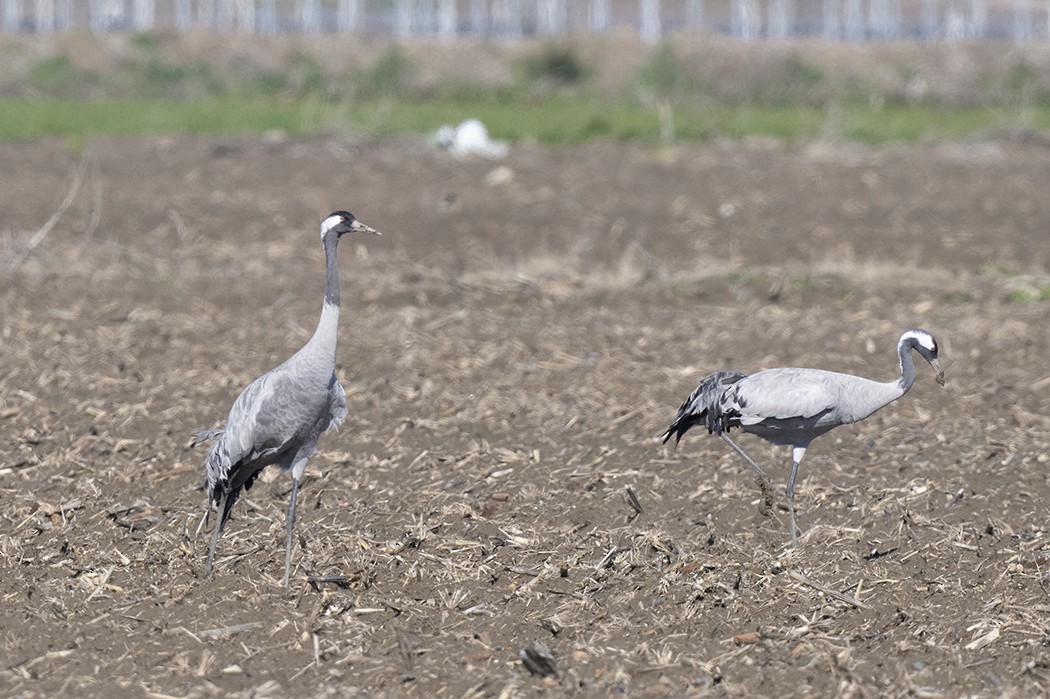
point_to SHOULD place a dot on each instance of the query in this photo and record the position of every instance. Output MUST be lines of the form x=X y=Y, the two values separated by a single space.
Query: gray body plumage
x=792 y=406
x=278 y=419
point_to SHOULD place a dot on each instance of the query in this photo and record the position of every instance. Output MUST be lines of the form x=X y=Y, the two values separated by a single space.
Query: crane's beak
x=940 y=372
x=360 y=227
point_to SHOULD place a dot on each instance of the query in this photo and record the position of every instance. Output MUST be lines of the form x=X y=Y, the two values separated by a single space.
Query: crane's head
x=926 y=345
x=340 y=222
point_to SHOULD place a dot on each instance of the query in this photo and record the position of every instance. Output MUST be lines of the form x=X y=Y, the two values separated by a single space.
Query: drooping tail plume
x=701 y=407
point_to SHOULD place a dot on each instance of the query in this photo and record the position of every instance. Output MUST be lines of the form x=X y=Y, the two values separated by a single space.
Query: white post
x=896 y=18
x=447 y=21
x=745 y=21
x=45 y=16
x=928 y=19
x=114 y=14
x=781 y=19
x=310 y=16
x=423 y=17
x=244 y=16
x=206 y=13
x=878 y=19
x=143 y=15
x=267 y=17
x=94 y=15
x=832 y=12
x=1022 y=25
x=854 y=21
x=550 y=17
x=64 y=15
x=649 y=29
x=403 y=19
x=506 y=19
x=694 y=14
x=348 y=18
x=223 y=14
x=598 y=17
x=515 y=20
x=479 y=24
x=12 y=18
x=183 y=14
x=955 y=24
x=978 y=19
x=752 y=20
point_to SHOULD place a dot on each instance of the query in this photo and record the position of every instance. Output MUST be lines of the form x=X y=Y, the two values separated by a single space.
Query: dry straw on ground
x=497 y=489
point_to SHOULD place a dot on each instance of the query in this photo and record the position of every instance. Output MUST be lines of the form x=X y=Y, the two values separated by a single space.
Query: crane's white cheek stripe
x=922 y=338
x=330 y=223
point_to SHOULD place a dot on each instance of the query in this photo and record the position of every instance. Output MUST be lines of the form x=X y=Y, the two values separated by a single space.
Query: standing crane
x=794 y=406
x=279 y=417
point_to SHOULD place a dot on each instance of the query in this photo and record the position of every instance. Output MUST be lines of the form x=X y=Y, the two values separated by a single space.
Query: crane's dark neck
x=323 y=342
x=331 y=286
x=907 y=378
x=869 y=396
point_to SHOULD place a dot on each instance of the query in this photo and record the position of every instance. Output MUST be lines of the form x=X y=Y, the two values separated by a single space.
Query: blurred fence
x=450 y=20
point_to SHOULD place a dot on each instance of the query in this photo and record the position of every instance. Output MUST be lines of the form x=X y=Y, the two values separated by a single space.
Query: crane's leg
x=740 y=451
x=291 y=525
x=763 y=482
x=796 y=456
x=215 y=532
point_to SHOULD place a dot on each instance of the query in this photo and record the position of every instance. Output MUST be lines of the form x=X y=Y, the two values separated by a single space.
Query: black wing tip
x=703 y=400
x=687 y=421
x=676 y=430
x=230 y=489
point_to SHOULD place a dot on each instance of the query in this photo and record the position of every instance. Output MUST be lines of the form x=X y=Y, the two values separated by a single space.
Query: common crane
x=794 y=406
x=279 y=417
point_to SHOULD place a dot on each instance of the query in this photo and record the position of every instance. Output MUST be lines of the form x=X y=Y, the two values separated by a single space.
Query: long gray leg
x=215 y=533
x=740 y=451
x=761 y=480
x=796 y=457
x=291 y=525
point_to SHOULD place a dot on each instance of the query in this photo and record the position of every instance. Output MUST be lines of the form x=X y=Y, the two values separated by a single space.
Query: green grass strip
x=553 y=121
x=29 y=120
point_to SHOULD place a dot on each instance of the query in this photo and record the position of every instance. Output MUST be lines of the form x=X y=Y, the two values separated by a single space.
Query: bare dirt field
x=511 y=347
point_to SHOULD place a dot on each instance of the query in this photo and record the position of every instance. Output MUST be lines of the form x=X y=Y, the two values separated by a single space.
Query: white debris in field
x=469 y=139
x=500 y=175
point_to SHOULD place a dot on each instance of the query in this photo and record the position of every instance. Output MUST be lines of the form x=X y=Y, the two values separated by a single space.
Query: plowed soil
x=511 y=347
